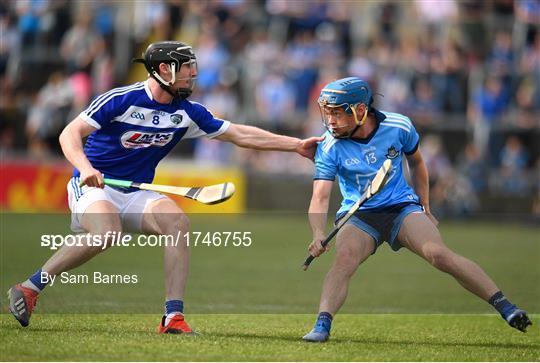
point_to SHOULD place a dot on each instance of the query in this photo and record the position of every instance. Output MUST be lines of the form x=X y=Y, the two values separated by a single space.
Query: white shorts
x=130 y=205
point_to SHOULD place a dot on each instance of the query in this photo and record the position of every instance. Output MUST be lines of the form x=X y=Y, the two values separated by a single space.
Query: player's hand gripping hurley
x=211 y=194
x=373 y=188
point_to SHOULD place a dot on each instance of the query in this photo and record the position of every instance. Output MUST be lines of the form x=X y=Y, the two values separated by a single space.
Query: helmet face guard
x=327 y=110
x=176 y=55
x=347 y=94
x=182 y=93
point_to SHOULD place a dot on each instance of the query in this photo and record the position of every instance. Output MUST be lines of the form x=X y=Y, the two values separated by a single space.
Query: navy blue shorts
x=383 y=224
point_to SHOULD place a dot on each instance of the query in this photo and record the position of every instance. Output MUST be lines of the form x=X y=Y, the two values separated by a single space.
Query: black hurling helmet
x=175 y=54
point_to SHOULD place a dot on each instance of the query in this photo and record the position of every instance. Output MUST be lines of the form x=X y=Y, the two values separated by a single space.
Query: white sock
x=30 y=285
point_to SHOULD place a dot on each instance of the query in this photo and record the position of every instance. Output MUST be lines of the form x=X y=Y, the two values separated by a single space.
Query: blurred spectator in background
x=260 y=54
x=81 y=88
x=224 y=104
x=488 y=105
x=460 y=197
x=233 y=17
x=530 y=59
x=9 y=40
x=452 y=192
x=34 y=19
x=212 y=58
x=512 y=177
x=394 y=88
x=389 y=13
x=103 y=19
x=301 y=56
x=454 y=76
x=10 y=47
x=436 y=15
x=528 y=20
x=440 y=170
x=474 y=29
x=526 y=114
x=331 y=46
x=423 y=107
x=210 y=152
x=80 y=45
x=102 y=72
x=275 y=99
x=501 y=58
x=471 y=165
x=361 y=66
x=48 y=114
x=147 y=17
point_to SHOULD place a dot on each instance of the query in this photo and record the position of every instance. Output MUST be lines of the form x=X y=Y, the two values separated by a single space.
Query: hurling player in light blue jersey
x=130 y=129
x=359 y=139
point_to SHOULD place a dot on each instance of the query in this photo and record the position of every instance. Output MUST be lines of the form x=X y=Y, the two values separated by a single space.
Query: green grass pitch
x=254 y=303
x=269 y=337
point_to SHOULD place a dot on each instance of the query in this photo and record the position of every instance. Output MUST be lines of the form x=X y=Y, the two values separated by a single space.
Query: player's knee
x=177 y=222
x=440 y=257
x=171 y=224
x=109 y=236
x=347 y=259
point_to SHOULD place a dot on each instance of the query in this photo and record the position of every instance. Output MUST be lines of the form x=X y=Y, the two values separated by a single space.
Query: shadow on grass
x=439 y=343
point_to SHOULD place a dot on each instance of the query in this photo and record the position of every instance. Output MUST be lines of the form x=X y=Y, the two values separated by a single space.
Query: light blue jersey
x=356 y=161
x=134 y=132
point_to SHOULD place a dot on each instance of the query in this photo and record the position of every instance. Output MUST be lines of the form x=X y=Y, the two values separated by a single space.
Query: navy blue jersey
x=134 y=132
x=356 y=161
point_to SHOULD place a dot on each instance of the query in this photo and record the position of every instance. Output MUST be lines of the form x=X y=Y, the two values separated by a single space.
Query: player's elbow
x=320 y=198
x=233 y=137
x=241 y=142
x=62 y=137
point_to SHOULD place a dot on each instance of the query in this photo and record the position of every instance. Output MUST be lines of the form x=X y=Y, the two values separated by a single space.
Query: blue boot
x=321 y=332
x=518 y=319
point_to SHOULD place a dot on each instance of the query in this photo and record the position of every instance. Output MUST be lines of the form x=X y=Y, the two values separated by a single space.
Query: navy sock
x=501 y=304
x=35 y=279
x=324 y=322
x=174 y=306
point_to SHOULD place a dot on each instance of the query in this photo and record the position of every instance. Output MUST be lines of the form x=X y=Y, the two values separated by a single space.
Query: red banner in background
x=27 y=186
x=33 y=187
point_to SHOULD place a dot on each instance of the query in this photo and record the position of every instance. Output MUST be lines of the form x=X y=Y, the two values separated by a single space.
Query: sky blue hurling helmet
x=346 y=92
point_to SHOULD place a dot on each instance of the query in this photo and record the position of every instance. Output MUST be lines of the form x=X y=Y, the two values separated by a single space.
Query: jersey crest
x=392 y=153
x=176 y=119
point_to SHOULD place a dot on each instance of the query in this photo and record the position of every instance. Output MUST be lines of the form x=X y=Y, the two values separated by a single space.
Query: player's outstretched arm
x=256 y=138
x=72 y=147
x=420 y=178
x=318 y=210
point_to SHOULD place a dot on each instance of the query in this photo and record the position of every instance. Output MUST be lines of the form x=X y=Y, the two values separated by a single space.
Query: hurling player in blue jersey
x=359 y=139
x=129 y=130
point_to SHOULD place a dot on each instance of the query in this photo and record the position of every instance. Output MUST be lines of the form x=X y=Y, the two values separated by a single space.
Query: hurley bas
x=96 y=278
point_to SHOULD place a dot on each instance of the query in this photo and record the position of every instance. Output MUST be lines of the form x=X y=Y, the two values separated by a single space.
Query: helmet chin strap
x=362 y=121
x=181 y=93
x=358 y=124
x=164 y=82
x=166 y=85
